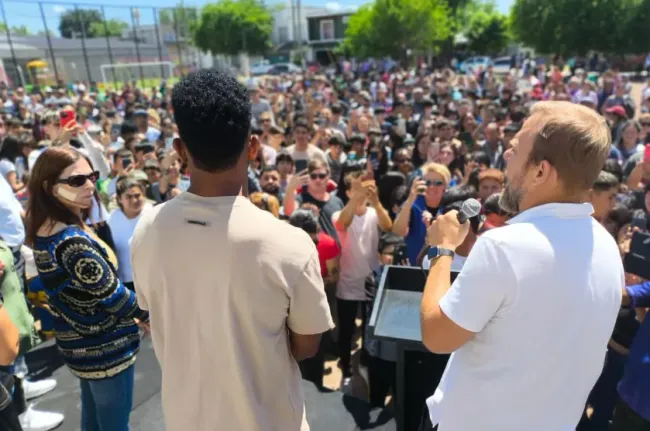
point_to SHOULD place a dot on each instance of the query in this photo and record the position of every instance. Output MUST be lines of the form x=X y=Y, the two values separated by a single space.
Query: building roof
x=59 y=43
x=330 y=15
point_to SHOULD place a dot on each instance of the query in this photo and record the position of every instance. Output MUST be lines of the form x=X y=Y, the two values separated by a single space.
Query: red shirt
x=327 y=249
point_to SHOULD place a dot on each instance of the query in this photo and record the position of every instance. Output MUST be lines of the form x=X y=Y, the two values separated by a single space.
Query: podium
x=396 y=317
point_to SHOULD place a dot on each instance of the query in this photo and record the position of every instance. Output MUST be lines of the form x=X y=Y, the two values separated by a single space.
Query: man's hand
x=170 y=158
x=371 y=192
x=298 y=180
x=446 y=232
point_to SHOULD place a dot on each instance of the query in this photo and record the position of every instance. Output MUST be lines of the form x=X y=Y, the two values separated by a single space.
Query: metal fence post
x=137 y=46
x=108 y=44
x=49 y=43
x=178 y=43
x=157 y=30
x=83 y=41
x=11 y=44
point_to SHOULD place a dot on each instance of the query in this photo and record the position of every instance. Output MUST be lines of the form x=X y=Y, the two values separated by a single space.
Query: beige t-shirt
x=222 y=281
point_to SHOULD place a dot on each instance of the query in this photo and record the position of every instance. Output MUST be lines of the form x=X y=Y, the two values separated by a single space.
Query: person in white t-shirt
x=235 y=295
x=530 y=314
x=356 y=225
x=122 y=221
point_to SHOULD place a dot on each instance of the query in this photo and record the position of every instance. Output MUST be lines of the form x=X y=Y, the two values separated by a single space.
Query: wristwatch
x=435 y=252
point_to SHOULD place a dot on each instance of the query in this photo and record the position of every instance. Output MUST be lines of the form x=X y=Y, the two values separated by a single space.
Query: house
x=325 y=34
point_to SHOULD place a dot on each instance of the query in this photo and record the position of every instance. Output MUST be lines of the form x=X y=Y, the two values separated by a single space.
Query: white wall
x=283 y=22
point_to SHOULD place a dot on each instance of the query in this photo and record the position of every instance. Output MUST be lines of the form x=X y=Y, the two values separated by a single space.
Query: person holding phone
x=357 y=225
x=311 y=186
x=302 y=151
x=422 y=203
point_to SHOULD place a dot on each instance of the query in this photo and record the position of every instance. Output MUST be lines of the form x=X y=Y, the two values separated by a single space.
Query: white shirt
x=122 y=230
x=12 y=230
x=542 y=295
x=223 y=280
x=358 y=255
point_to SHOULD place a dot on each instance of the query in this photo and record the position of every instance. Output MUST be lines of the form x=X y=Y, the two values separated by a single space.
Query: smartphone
x=373 y=158
x=399 y=255
x=66 y=117
x=126 y=163
x=646 y=154
x=300 y=165
x=116 y=129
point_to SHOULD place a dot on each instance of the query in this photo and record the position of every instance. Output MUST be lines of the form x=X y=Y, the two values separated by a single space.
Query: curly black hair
x=213 y=114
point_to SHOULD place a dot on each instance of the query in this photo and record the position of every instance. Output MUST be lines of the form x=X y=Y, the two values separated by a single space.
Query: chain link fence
x=46 y=44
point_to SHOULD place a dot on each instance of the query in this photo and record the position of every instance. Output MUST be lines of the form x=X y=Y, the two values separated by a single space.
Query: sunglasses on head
x=318 y=176
x=435 y=183
x=79 y=180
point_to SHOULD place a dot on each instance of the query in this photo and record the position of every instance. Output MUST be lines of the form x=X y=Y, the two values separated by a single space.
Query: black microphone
x=470 y=208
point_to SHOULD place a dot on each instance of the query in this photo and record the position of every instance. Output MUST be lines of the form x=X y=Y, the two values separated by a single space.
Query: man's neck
x=221 y=184
x=302 y=146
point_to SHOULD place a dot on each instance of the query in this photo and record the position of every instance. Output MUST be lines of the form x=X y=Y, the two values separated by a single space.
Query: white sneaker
x=34 y=420
x=37 y=389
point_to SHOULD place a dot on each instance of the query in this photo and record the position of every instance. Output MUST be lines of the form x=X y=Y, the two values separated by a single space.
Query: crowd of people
x=362 y=161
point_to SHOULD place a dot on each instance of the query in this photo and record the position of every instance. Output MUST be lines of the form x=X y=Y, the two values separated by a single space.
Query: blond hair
x=574 y=139
x=437 y=168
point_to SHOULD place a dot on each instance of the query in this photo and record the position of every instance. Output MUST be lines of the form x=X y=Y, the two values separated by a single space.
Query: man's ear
x=253 y=147
x=180 y=149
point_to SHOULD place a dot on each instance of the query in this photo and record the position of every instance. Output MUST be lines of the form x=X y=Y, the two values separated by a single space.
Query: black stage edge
x=326 y=410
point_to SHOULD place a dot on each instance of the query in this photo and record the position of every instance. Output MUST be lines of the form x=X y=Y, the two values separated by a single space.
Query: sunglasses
x=318 y=176
x=79 y=180
x=436 y=183
x=645 y=124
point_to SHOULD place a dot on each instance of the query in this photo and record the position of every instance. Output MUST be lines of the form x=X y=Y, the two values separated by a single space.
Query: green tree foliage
x=486 y=29
x=391 y=27
x=113 y=27
x=21 y=30
x=77 y=22
x=233 y=26
x=578 y=26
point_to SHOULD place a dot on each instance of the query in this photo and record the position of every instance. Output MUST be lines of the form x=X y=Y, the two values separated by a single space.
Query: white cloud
x=58 y=9
x=333 y=6
x=338 y=7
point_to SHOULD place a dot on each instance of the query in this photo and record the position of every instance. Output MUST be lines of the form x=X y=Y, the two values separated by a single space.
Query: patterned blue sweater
x=94 y=327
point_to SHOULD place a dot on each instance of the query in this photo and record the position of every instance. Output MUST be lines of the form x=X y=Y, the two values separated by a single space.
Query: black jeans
x=8 y=411
x=626 y=419
x=347 y=311
x=381 y=377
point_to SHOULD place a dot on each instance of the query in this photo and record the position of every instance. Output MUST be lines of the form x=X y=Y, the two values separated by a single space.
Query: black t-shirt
x=327 y=209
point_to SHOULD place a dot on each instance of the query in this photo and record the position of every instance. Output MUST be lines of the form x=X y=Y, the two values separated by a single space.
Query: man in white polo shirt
x=529 y=316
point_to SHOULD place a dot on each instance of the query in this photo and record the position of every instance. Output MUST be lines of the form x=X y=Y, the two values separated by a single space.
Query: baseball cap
x=617 y=110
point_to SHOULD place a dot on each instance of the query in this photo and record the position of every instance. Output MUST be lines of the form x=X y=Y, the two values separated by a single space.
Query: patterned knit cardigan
x=94 y=327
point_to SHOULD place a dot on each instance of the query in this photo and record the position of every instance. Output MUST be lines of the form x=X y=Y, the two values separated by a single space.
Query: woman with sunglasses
x=95 y=327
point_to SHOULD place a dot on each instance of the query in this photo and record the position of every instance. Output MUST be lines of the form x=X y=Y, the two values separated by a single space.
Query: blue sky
x=27 y=13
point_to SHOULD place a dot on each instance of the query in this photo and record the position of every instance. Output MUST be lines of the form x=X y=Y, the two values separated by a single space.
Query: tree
x=233 y=26
x=392 y=27
x=15 y=30
x=113 y=27
x=578 y=26
x=78 y=22
x=486 y=29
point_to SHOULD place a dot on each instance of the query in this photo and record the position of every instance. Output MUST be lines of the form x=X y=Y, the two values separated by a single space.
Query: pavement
x=327 y=410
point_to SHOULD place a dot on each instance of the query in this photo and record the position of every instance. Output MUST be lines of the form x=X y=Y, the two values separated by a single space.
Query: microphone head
x=470 y=208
